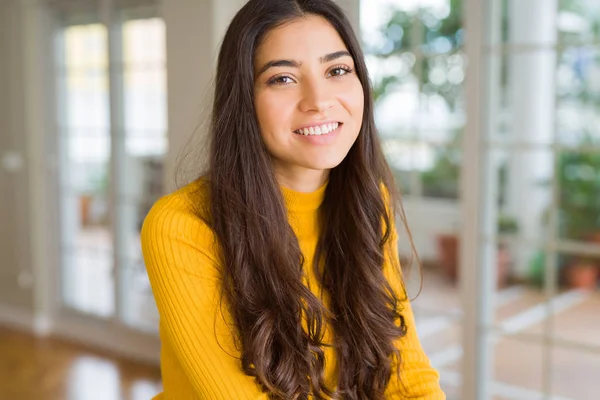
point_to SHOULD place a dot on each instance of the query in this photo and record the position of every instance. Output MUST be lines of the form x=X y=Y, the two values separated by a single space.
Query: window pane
x=413 y=56
x=88 y=284
x=442 y=98
x=133 y=212
x=84 y=139
x=522 y=97
x=578 y=179
x=139 y=307
x=441 y=179
x=145 y=108
x=522 y=192
x=145 y=80
x=518 y=370
x=406 y=158
x=582 y=323
x=524 y=306
x=142 y=181
x=385 y=25
x=516 y=27
x=442 y=25
x=396 y=93
x=520 y=299
x=578 y=95
x=575 y=374
x=579 y=21
x=417 y=72
x=438 y=315
x=86 y=165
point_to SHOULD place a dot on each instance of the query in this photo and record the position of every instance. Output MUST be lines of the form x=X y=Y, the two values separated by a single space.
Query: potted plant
x=448 y=246
x=95 y=190
x=578 y=175
x=507 y=225
x=442 y=180
x=579 y=213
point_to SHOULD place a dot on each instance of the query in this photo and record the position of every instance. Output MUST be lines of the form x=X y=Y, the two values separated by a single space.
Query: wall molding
x=117 y=341
x=16 y=317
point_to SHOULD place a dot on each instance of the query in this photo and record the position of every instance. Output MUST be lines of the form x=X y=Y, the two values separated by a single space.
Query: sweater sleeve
x=182 y=268
x=418 y=380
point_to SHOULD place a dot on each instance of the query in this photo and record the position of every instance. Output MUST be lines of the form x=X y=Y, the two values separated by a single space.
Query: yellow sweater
x=198 y=357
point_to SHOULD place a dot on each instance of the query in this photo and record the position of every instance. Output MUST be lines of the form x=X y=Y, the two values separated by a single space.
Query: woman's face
x=308 y=99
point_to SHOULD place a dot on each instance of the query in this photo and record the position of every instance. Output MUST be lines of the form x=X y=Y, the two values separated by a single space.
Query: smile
x=318 y=130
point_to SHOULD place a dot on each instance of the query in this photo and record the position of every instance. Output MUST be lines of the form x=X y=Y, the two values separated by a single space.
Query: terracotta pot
x=594 y=238
x=448 y=246
x=85 y=203
x=504 y=263
x=582 y=275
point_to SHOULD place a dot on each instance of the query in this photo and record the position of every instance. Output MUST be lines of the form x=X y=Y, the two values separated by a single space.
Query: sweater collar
x=303 y=201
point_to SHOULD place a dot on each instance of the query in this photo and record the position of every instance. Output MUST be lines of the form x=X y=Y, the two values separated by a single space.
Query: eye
x=340 y=71
x=281 y=80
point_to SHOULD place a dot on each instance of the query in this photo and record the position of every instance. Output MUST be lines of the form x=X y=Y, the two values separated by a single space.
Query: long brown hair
x=261 y=256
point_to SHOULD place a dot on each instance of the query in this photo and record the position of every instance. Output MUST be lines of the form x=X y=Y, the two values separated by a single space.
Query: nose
x=316 y=96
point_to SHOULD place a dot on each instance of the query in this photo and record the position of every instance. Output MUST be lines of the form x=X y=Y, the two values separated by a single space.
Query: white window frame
x=50 y=316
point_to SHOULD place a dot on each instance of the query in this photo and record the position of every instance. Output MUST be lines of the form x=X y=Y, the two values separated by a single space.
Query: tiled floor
x=520 y=366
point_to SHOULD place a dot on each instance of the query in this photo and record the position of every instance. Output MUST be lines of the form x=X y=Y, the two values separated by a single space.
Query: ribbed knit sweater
x=199 y=359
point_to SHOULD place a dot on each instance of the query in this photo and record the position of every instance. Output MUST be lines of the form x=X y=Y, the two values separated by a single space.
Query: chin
x=324 y=163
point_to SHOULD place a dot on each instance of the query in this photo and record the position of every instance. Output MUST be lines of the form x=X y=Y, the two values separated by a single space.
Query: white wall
x=15 y=243
x=190 y=53
x=24 y=167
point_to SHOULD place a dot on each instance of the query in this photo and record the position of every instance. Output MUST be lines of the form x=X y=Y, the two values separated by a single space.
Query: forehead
x=300 y=39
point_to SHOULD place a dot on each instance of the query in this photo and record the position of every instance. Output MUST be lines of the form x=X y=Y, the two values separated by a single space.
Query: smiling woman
x=276 y=273
x=305 y=83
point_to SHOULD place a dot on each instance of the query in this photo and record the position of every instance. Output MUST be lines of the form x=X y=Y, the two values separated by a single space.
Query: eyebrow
x=297 y=64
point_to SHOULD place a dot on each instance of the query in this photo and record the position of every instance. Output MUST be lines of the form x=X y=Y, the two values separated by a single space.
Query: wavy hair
x=261 y=256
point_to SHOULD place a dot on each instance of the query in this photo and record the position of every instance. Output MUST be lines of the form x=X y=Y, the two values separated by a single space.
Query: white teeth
x=318 y=130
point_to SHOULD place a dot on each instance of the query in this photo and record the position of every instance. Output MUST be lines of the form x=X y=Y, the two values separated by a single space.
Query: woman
x=276 y=272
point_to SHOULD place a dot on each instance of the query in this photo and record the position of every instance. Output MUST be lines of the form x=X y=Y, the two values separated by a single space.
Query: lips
x=318 y=129
x=323 y=139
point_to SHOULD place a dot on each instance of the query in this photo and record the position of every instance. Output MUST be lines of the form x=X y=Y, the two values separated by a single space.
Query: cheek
x=354 y=102
x=272 y=112
x=262 y=111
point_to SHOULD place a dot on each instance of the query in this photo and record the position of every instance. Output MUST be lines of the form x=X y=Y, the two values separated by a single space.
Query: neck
x=305 y=181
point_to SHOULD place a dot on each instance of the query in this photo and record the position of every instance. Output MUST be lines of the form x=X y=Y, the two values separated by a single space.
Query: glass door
x=87 y=244
x=541 y=208
x=417 y=64
x=112 y=135
x=511 y=259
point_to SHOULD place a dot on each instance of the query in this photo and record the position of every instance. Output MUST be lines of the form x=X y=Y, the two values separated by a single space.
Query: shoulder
x=177 y=223
x=177 y=208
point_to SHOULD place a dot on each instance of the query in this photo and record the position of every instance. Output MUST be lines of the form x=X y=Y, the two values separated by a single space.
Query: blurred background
x=496 y=146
